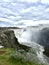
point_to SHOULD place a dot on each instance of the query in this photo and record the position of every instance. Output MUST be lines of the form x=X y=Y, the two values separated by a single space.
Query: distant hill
x=2 y=28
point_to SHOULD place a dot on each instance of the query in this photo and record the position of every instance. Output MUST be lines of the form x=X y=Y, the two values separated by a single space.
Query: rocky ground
x=8 y=40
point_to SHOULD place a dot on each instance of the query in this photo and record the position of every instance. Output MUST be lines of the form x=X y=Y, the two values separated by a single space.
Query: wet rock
x=46 y=52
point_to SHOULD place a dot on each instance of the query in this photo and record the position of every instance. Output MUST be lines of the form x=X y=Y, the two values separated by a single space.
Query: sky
x=24 y=13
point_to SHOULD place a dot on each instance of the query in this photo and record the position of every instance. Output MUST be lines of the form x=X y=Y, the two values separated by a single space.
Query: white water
x=1 y=46
x=28 y=38
x=38 y=48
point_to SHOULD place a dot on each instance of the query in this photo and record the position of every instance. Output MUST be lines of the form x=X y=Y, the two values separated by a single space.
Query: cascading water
x=38 y=49
x=30 y=39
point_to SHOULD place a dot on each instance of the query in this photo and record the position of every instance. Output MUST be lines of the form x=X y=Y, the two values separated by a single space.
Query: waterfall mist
x=37 y=39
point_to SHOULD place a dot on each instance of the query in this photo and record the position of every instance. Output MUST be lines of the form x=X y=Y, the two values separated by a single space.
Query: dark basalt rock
x=46 y=52
x=8 y=39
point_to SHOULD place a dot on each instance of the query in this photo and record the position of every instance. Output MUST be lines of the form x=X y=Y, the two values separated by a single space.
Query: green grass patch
x=9 y=56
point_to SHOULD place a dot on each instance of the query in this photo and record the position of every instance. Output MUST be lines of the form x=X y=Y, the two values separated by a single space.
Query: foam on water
x=1 y=46
x=38 y=48
x=29 y=38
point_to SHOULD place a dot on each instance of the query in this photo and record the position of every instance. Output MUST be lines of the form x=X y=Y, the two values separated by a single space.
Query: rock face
x=8 y=39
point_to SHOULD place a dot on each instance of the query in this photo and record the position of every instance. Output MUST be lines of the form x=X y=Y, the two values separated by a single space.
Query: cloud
x=45 y=2
x=7 y=0
x=14 y=18
x=6 y=20
x=33 y=1
x=24 y=12
x=25 y=23
x=47 y=10
x=5 y=24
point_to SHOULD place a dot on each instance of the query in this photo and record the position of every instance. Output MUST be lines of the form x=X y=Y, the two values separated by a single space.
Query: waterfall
x=38 y=49
x=29 y=38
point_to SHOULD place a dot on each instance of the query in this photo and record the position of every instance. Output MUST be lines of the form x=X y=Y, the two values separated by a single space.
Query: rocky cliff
x=8 y=39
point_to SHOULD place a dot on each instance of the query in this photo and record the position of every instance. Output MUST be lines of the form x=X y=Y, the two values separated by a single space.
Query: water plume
x=35 y=39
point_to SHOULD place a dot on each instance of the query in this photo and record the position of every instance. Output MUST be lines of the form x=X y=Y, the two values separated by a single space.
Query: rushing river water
x=29 y=38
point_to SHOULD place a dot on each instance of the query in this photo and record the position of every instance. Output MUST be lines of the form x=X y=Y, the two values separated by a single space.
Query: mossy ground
x=6 y=60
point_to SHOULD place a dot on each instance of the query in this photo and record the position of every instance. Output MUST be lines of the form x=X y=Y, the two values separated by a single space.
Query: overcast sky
x=24 y=12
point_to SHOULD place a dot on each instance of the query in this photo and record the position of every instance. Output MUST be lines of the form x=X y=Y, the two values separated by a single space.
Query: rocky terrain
x=8 y=39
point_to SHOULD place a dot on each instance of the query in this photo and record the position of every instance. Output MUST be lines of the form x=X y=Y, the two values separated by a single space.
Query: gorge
x=34 y=41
